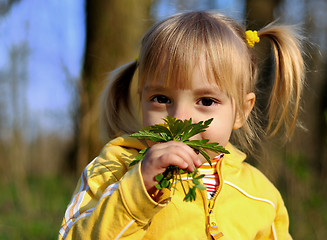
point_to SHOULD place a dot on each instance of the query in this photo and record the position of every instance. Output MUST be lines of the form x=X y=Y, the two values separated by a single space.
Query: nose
x=184 y=112
x=181 y=112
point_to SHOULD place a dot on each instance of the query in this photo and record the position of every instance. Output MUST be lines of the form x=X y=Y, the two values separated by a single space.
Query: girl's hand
x=162 y=155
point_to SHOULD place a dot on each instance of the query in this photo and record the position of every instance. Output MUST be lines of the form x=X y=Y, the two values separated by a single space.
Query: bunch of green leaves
x=179 y=130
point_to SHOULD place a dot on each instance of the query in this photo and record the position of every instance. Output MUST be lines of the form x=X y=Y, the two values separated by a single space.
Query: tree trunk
x=113 y=31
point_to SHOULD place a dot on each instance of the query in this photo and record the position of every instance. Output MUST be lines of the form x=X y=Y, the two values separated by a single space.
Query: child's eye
x=207 y=101
x=161 y=99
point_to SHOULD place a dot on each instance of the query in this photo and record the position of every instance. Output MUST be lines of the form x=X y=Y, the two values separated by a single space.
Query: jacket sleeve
x=281 y=222
x=122 y=209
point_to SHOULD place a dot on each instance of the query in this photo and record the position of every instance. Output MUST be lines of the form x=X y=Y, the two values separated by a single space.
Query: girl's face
x=201 y=102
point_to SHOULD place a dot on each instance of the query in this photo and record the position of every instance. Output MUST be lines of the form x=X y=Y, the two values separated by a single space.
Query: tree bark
x=114 y=29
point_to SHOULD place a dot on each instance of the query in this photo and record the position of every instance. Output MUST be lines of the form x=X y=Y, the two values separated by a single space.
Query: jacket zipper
x=212 y=225
x=213 y=199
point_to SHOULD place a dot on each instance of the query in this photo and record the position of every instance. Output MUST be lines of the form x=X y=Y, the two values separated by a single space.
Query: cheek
x=219 y=136
x=146 y=119
x=146 y=116
x=220 y=131
x=151 y=118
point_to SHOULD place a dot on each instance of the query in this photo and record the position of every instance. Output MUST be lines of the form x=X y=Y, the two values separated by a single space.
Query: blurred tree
x=113 y=31
x=260 y=13
x=6 y=5
x=299 y=168
x=315 y=103
x=307 y=169
x=10 y=79
x=14 y=147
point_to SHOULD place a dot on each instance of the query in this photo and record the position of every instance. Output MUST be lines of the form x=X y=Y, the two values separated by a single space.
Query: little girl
x=195 y=65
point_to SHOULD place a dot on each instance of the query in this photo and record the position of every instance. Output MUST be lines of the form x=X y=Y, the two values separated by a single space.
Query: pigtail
x=284 y=102
x=118 y=115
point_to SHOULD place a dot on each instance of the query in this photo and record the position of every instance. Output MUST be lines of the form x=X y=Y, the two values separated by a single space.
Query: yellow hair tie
x=252 y=37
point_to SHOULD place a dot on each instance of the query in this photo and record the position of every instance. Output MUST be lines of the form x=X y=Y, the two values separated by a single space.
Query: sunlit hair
x=172 y=48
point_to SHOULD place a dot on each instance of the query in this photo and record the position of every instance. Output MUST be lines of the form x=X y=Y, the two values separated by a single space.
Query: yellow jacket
x=110 y=202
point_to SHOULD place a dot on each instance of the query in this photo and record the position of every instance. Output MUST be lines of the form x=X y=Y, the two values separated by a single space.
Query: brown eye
x=207 y=101
x=161 y=99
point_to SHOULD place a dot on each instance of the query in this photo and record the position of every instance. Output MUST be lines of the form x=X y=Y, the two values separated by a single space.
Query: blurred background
x=54 y=58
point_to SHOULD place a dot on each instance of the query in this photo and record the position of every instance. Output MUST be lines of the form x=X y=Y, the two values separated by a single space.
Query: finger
x=166 y=152
x=189 y=154
x=179 y=155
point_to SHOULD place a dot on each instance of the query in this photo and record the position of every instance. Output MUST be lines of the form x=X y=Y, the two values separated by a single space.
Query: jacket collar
x=128 y=142
x=235 y=156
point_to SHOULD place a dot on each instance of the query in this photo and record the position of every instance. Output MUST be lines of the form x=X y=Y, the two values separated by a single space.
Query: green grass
x=304 y=192
x=33 y=209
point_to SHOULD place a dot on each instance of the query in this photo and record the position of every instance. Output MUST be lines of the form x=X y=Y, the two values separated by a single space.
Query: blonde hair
x=173 y=47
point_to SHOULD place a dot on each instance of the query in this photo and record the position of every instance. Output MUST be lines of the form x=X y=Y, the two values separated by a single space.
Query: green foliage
x=38 y=213
x=179 y=130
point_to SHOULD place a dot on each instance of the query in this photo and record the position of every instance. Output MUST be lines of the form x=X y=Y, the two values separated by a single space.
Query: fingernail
x=184 y=165
x=198 y=162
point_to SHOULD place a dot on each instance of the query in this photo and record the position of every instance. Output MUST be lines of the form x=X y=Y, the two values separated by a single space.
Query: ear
x=248 y=106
